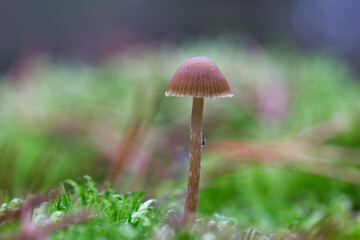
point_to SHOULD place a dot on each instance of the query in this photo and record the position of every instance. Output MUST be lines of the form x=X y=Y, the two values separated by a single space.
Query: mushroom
x=198 y=78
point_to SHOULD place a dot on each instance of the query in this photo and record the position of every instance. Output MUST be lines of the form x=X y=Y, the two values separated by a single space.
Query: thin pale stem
x=192 y=191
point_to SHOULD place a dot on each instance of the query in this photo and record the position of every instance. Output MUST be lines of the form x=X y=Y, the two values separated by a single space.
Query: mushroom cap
x=198 y=77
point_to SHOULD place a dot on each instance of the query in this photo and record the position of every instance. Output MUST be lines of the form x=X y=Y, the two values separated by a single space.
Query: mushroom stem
x=192 y=191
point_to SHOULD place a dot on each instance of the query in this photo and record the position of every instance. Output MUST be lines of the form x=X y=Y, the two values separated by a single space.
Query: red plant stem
x=192 y=191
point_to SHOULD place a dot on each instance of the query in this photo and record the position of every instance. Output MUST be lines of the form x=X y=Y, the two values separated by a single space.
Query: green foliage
x=124 y=216
x=121 y=216
x=308 y=204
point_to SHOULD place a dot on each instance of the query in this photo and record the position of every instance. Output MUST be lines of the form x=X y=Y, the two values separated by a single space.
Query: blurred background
x=93 y=30
x=82 y=88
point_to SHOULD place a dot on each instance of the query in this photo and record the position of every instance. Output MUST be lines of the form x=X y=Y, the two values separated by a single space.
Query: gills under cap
x=198 y=77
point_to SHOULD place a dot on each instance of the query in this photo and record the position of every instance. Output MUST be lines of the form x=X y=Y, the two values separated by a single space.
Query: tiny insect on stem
x=203 y=142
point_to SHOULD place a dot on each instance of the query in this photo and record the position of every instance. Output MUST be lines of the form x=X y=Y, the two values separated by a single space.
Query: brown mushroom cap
x=198 y=77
